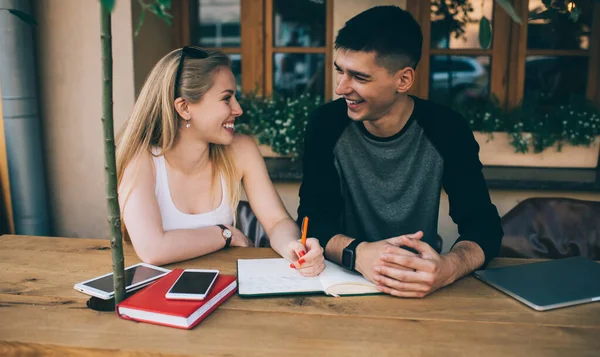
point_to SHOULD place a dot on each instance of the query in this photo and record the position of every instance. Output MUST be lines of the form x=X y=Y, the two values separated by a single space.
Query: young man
x=376 y=160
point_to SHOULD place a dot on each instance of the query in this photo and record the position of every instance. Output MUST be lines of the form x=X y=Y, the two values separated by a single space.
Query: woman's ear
x=405 y=79
x=181 y=106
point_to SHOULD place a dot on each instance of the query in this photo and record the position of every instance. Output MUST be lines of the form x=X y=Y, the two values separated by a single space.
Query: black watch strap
x=349 y=254
x=227 y=239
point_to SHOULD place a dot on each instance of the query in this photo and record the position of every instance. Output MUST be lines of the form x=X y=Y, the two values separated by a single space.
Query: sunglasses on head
x=192 y=52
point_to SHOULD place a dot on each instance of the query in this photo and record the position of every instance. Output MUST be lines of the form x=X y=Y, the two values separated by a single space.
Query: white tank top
x=173 y=218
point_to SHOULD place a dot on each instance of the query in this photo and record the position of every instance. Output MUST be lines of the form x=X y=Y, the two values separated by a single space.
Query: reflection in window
x=219 y=24
x=459 y=80
x=236 y=68
x=296 y=73
x=564 y=25
x=555 y=79
x=299 y=23
x=455 y=24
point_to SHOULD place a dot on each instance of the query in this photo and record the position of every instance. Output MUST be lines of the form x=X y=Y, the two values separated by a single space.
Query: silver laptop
x=549 y=284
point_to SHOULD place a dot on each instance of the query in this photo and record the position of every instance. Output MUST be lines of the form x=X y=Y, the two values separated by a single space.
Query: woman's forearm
x=181 y=244
x=280 y=236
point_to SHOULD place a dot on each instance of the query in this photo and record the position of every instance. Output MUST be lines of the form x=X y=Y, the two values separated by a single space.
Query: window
x=457 y=79
x=557 y=54
x=276 y=46
x=549 y=55
x=285 y=47
x=214 y=24
x=296 y=55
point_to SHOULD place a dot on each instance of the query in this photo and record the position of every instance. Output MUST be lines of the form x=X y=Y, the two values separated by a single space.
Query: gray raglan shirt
x=372 y=188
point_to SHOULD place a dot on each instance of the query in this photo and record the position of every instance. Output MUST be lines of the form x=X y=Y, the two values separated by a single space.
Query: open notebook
x=262 y=277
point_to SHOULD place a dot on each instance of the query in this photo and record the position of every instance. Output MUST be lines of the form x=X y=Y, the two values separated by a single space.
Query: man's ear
x=181 y=106
x=405 y=79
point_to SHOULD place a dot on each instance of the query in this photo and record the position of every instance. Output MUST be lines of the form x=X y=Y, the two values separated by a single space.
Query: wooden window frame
x=257 y=48
x=519 y=52
x=507 y=53
x=270 y=50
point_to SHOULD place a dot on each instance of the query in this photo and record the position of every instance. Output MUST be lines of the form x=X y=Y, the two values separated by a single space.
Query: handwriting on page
x=272 y=276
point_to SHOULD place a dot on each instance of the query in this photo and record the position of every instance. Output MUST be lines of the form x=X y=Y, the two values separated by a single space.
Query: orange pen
x=304 y=230
x=303 y=241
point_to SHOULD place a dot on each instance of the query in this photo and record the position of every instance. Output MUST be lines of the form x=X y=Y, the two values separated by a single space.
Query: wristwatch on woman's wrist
x=226 y=233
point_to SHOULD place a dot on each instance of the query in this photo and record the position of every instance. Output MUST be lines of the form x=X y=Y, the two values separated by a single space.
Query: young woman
x=180 y=168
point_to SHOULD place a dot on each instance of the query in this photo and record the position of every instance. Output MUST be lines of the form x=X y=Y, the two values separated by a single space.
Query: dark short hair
x=392 y=33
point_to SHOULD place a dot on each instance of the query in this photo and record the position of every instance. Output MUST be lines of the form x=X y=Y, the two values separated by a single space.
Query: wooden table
x=41 y=314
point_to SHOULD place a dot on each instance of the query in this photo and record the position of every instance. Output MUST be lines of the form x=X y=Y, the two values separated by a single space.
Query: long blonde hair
x=154 y=121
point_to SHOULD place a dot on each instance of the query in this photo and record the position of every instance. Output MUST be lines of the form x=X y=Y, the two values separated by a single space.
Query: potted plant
x=278 y=123
x=538 y=133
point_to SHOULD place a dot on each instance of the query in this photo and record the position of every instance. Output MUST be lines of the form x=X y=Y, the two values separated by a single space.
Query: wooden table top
x=41 y=314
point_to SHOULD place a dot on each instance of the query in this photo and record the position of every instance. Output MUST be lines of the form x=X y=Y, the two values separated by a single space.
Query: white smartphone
x=193 y=284
x=136 y=277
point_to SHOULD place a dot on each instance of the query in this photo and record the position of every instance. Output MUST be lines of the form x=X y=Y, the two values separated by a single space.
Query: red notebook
x=150 y=304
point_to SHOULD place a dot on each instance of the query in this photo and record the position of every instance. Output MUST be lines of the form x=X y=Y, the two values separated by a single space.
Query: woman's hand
x=238 y=239
x=311 y=261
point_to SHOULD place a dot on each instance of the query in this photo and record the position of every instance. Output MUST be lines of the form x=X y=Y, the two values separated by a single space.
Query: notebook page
x=336 y=275
x=272 y=276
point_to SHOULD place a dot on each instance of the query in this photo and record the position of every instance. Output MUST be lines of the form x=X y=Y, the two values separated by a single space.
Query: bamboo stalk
x=110 y=165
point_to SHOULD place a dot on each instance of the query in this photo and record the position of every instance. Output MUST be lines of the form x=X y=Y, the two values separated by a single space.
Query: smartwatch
x=226 y=233
x=349 y=255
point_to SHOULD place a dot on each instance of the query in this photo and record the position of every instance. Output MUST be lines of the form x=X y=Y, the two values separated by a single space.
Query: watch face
x=227 y=233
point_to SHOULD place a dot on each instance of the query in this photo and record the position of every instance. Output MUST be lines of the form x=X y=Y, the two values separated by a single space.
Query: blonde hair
x=154 y=121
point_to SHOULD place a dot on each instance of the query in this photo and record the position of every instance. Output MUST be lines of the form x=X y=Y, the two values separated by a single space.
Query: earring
x=188 y=124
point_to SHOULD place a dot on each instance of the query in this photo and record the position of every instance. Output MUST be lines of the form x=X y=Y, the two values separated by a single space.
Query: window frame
x=497 y=51
x=507 y=53
x=519 y=53
x=257 y=50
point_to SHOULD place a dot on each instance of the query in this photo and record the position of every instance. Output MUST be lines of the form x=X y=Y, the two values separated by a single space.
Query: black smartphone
x=193 y=284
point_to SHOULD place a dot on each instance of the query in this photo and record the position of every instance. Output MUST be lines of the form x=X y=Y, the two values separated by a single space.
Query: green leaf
x=574 y=14
x=156 y=9
x=485 y=33
x=140 y=23
x=23 y=16
x=109 y=5
x=164 y=3
x=507 y=6
x=159 y=11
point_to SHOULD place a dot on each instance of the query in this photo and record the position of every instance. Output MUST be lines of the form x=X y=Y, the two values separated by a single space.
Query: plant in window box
x=484 y=116
x=537 y=133
x=543 y=124
x=278 y=123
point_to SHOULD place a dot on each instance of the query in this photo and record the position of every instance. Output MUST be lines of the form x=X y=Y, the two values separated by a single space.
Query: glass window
x=296 y=73
x=219 y=23
x=299 y=23
x=459 y=80
x=564 y=25
x=455 y=24
x=236 y=68
x=555 y=78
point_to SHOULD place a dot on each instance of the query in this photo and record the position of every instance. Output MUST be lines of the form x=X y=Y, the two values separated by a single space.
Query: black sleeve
x=320 y=196
x=470 y=205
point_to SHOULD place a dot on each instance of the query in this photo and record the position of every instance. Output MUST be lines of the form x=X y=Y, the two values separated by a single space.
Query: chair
x=248 y=224
x=552 y=228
